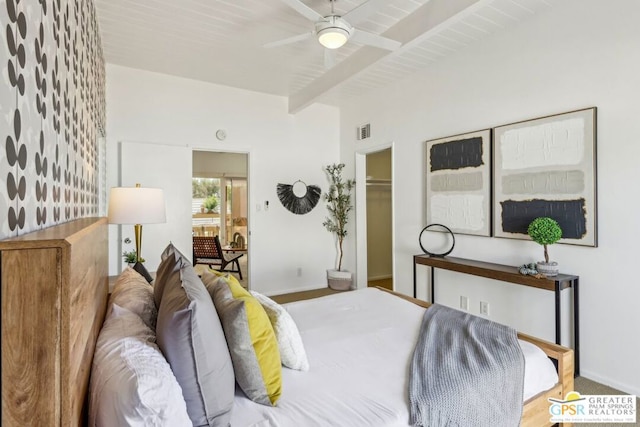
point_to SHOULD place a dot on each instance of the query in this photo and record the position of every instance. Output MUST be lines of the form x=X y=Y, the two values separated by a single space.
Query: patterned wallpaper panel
x=52 y=113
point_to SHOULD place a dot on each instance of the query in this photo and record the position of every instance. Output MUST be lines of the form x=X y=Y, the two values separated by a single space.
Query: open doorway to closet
x=379 y=219
x=220 y=202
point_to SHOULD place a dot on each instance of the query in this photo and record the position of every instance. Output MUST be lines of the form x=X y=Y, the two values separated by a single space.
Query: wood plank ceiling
x=221 y=41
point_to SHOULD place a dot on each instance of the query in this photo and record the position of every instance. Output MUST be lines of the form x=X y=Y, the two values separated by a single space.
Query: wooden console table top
x=505 y=273
x=510 y=274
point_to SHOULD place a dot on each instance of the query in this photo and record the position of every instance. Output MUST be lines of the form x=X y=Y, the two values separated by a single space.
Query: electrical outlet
x=299 y=272
x=464 y=303
x=484 y=308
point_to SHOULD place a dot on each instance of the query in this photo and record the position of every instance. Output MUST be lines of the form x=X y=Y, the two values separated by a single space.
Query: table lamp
x=137 y=206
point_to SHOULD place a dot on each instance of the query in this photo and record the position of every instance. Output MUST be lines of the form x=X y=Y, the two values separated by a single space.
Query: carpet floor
x=589 y=387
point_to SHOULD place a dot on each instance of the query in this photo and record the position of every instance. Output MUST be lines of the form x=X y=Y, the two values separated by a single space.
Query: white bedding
x=359 y=346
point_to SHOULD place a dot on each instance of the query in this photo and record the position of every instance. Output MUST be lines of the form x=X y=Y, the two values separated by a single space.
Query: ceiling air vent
x=364 y=131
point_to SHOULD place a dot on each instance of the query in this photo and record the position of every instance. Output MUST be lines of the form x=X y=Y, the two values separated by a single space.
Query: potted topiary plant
x=338 y=199
x=545 y=231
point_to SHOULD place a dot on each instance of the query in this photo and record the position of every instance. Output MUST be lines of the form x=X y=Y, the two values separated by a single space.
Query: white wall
x=580 y=53
x=282 y=148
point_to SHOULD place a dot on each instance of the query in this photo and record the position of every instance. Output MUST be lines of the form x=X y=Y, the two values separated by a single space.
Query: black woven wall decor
x=299 y=205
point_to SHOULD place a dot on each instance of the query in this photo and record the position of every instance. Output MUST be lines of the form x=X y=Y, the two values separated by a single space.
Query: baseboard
x=627 y=388
x=291 y=290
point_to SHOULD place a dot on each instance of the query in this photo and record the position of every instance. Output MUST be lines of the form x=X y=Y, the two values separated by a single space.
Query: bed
x=355 y=370
x=376 y=331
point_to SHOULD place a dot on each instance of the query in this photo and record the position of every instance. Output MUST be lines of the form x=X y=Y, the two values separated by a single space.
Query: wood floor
x=315 y=293
x=299 y=296
x=383 y=283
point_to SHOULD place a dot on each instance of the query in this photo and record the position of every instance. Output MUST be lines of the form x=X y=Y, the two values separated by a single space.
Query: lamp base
x=143 y=271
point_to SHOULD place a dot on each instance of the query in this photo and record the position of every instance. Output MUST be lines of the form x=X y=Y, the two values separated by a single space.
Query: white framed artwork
x=458 y=182
x=547 y=167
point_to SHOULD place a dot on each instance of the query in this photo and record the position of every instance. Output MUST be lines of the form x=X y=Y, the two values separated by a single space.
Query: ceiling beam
x=409 y=31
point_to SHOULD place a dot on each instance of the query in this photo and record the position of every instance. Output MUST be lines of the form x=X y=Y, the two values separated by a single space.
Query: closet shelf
x=378 y=182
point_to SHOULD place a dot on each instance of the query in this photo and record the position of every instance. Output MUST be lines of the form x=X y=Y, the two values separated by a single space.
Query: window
x=205 y=207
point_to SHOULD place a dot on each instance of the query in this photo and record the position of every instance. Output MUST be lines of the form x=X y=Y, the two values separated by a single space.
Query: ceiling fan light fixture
x=333 y=33
x=333 y=38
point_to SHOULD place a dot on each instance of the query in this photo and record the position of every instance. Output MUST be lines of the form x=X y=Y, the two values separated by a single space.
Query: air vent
x=364 y=131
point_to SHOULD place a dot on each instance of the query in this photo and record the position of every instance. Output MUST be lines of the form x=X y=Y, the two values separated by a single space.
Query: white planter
x=340 y=280
x=548 y=268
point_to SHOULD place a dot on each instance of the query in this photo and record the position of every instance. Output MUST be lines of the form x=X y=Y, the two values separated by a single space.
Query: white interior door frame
x=361 y=211
x=224 y=201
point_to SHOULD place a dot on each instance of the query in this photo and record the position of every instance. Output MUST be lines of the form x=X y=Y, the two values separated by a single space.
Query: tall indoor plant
x=338 y=199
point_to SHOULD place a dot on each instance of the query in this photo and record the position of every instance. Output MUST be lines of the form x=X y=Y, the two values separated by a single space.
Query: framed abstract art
x=547 y=167
x=458 y=182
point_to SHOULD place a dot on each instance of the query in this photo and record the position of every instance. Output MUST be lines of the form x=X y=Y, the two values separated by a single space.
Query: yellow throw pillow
x=227 y=276
x=250 y=338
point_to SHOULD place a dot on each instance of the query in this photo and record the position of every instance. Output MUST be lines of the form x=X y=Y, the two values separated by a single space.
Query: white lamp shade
x=136 y=205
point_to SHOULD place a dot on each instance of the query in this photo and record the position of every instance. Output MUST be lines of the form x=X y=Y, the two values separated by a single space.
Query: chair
x=207 y=250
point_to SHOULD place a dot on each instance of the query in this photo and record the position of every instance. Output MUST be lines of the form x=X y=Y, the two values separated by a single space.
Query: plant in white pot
x=130 y=257
x=338 y=199
x=545 y=231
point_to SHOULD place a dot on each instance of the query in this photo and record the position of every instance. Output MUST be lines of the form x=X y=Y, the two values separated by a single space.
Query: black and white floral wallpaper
x=52 y=113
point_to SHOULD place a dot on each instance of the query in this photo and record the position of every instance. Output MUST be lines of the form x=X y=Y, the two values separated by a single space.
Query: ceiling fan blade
x=289 y=40
x=303 y=9
x=363 y=11
x=374 y=40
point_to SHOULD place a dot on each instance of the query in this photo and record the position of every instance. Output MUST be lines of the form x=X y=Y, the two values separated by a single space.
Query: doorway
x=379 y=219
x=220 y=202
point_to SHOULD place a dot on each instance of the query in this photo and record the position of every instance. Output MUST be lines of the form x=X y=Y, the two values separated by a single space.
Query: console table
x=510 y=274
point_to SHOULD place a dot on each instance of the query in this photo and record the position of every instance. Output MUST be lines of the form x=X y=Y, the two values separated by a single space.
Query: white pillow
x=133 y=292
x=539 y=371
x=289 y=340
x=131 y=382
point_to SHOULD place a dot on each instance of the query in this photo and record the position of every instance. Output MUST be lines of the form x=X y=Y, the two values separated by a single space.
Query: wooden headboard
x=54 y=299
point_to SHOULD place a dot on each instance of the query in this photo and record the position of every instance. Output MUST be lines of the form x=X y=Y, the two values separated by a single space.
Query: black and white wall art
x=458 y=182
x=547 y=167
x=52 y=113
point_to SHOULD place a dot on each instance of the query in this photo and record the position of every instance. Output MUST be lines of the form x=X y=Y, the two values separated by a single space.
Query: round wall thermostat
x=221 y=134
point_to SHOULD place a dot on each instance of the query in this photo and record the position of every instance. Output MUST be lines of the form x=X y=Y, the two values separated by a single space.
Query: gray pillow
x=190 y=335
x=165 y=268
x=250 y=338
x=168 y=256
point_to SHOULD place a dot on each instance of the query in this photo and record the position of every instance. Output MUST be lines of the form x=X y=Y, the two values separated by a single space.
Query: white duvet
x=359 y=346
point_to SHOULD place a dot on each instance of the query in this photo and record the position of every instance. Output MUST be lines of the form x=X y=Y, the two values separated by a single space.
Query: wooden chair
x=207 y=250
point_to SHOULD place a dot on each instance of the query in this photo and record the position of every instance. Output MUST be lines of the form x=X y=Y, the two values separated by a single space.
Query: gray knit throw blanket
x=466 y=372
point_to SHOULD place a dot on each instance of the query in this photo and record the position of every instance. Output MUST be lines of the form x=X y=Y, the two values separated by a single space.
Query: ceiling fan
x=333 y=30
